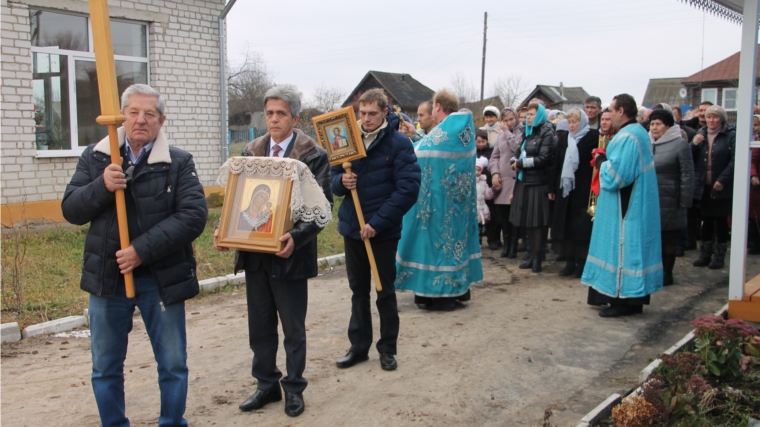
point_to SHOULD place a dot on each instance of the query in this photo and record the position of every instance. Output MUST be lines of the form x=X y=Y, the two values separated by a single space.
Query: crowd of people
x=616 y=193
x=544 y=186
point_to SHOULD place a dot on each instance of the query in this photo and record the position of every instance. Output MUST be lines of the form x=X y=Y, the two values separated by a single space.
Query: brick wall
x=184 y=67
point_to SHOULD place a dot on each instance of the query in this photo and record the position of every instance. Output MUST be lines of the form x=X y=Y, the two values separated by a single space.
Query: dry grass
x=53 y=261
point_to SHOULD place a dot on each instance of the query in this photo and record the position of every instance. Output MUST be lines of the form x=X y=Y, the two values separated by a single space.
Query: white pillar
x=745 y=109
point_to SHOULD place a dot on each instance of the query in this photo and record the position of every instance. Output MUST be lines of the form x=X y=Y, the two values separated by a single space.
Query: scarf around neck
x=571 y=161
x=674 y=132
x=369 y=137
x=491 y=128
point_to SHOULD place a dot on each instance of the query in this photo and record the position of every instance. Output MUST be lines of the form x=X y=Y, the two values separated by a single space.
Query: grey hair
x=287 y=94
x=141 y=89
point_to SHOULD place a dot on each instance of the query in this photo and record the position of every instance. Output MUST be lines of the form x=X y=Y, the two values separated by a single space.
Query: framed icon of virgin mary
x=256 y=211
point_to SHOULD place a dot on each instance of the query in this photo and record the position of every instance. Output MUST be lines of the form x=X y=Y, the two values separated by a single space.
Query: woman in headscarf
x=675 y=181
x=569 y=187
x=503 y=176
x=714 y=146
x=530 y=203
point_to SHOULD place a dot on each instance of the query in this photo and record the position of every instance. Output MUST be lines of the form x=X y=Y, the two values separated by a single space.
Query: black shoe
x=261 y=398
x=621 y=310
x=439 y=306
x=527 y=256
x=494 y=246
x=294 y=405
x=667 y=279
x=527 y=264
x=680 y=252
x=512 y=249
x=388 y=362
x=351 y=359
x=578 y=273
x=505 y=251
x=536 y=268
x=568 y=270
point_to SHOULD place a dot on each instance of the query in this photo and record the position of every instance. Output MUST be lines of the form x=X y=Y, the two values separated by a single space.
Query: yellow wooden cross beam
x=110 y=111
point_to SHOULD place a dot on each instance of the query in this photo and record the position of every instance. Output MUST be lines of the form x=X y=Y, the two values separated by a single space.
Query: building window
x=729 y=99
x=64 y=81
x=710 y=95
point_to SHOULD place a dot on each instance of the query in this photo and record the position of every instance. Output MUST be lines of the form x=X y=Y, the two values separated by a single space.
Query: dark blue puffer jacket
x=388 y=182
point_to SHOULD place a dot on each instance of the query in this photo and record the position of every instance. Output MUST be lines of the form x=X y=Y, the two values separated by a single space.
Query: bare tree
x=247 y=84
x=511 y=89
x=464 y=88
x=326 y=98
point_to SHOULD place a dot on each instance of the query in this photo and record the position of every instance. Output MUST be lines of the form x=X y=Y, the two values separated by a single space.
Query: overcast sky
x=605 y=46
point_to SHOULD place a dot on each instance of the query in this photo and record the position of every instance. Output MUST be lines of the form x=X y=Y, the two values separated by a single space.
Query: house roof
x=727 y=69
x=557 y=95
x=406 y=90
x=663 y=90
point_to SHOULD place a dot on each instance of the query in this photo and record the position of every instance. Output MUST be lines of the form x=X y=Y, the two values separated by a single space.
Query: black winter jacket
x=388 y=183
x=302 y=263
x=723 y=150
x=171 y=213
x=539 y=147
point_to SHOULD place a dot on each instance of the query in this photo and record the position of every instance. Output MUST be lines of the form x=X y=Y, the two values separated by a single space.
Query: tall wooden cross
x=110 y=111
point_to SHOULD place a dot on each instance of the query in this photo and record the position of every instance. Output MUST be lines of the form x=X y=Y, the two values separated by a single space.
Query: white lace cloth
x=307 y=202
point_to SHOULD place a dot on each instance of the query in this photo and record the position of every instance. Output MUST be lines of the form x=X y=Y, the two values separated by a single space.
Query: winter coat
x=539 y=147
x=675 y=179
x=388 y=183
x=302 y=263
x=505 y=148
x=571 y=220
x=171 y=213
x=484 y=193
x=722 y=163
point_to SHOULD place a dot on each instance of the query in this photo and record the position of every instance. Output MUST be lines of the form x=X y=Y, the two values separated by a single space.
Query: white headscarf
x=570 y=165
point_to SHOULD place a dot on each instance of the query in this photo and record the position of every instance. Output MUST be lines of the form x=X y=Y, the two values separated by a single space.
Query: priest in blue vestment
x=438 y=255
x=624 y=264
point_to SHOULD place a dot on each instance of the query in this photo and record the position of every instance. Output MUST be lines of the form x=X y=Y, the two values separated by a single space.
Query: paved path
x=525 y=343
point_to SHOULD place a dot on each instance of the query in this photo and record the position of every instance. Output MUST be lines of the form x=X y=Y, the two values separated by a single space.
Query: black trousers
x=361 y=284
x=266 y=298
x=493 y=227
x=504 y=224
x=715 y=226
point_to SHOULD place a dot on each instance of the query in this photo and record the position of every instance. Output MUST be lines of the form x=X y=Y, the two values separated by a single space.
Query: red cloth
x=595 y=182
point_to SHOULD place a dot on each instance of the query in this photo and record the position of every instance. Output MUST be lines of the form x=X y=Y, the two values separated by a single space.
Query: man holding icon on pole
x=387 y=182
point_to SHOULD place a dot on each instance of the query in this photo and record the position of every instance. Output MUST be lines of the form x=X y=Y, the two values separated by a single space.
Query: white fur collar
x=158 y=154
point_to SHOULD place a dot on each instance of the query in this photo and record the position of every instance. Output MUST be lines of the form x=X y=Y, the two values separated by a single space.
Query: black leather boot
x=512 y=249
x=536 y=263
x=505 y=248
x=527 y=264
x=569 y=268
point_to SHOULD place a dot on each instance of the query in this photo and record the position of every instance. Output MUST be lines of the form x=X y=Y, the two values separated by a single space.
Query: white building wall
x=184 y=66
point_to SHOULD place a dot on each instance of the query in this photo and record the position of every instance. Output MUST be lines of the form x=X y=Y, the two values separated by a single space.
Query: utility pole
x=483 y=69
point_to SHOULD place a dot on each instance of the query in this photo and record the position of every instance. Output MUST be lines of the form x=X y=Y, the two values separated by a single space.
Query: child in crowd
x=484 y=193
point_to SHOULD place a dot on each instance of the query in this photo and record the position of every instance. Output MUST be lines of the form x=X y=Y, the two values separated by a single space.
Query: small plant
x=678 y=387
x=13 y=262
x=720 y=342
x=635 y=411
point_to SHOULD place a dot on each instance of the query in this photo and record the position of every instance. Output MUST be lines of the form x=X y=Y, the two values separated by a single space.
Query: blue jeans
x=110 y=324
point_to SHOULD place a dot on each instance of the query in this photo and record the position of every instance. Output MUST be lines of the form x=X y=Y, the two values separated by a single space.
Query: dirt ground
x=526 y=345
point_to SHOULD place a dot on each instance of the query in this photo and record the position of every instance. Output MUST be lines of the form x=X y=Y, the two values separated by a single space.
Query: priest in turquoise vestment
x=438 y=255
x=624 y=264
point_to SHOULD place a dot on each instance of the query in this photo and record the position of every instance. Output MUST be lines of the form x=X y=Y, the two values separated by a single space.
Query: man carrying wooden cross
x=387 y=182
x=166 y=211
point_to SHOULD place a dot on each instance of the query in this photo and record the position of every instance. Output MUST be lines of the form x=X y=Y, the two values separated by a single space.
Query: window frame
x=709 y=90
x=75 y=55
x=736 y=98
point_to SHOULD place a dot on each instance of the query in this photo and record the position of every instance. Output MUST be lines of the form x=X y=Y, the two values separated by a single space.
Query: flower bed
x=716 y=384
